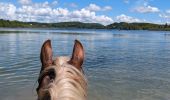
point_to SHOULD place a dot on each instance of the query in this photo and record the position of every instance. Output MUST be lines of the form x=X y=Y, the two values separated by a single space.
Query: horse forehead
x=61 y=60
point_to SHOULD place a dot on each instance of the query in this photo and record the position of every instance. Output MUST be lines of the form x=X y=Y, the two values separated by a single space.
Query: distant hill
x=18 y=24
x=81 y=25
x=138 y=26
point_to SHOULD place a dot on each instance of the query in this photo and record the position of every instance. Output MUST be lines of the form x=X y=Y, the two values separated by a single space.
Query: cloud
x=85 y=15
x=7 y=11
x=43 y=12
x=146 y=9
x=54 y=2
x=129 y=19
x=168 y=11
x=74 y=5
x=166 y=16
x=126 y=1
x=25 y=2
x=93 y=7
x=106 y=8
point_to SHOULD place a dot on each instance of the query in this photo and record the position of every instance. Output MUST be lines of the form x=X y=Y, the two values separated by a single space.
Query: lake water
x=119 y=65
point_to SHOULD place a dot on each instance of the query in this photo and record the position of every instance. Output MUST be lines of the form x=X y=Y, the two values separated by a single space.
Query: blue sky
x=97 y=11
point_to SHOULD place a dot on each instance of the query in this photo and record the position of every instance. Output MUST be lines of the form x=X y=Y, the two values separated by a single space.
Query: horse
x=62 y=78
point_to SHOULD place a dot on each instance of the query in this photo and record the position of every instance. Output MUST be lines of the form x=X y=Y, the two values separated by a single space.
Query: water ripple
x=120 y=65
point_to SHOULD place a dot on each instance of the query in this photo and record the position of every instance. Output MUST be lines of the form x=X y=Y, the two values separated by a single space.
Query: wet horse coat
x=62 y=78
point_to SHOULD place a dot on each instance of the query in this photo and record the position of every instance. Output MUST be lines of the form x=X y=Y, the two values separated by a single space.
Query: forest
x=81 y=25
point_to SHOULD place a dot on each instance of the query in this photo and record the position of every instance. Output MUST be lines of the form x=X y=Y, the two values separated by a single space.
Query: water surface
x=119 y=65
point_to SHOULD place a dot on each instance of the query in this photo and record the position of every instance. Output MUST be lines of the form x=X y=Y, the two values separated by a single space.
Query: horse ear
x=46 y=54
x=77 y=55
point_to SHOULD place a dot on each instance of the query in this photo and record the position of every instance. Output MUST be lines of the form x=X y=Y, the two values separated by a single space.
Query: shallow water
x=119 y=65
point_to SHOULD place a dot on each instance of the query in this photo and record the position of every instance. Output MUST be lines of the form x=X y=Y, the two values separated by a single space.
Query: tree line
x=80 y=25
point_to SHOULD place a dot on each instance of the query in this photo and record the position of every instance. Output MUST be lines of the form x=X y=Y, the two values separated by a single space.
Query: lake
x=119 y=65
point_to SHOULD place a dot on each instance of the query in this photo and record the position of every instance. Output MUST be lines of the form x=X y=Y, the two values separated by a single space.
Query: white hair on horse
x=70 y=83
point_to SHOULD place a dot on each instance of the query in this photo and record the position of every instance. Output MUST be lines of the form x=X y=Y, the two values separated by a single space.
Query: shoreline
x=26 y=29
x=83 y=25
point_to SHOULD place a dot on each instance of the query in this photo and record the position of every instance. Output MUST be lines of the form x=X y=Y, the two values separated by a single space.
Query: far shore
x=82 y=25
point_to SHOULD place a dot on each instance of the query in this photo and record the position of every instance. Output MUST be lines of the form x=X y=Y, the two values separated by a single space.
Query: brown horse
x=61 y=78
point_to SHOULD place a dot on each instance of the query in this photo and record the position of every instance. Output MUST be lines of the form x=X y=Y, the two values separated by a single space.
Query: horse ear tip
x=48 y=41
x=78 y=42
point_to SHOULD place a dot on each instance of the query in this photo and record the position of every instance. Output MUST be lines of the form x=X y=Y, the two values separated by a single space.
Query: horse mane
x=69 y=83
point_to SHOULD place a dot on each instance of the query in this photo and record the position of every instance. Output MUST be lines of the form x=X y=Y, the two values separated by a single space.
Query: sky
x=89 y=11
